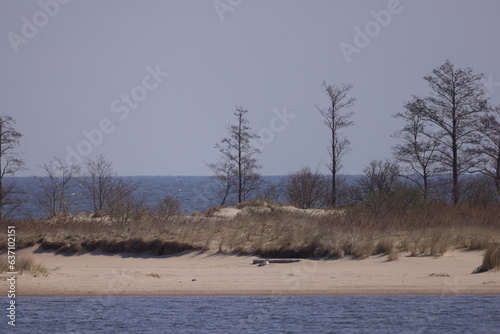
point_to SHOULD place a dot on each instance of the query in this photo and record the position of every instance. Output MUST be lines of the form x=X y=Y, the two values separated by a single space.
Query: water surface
x=258 y=314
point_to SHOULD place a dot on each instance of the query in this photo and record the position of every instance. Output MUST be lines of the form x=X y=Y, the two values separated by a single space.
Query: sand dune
x=195 y=273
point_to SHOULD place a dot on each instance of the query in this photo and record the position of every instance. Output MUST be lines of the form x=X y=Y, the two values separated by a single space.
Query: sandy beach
x=195 y=273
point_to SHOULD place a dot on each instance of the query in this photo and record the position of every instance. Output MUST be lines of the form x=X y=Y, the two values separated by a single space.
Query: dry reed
x=274 y=231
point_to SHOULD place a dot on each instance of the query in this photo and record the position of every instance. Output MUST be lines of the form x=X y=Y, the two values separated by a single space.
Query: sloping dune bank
x=195 y=273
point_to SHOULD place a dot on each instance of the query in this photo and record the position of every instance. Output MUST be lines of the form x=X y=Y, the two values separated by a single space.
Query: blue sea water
x=256 y=314
x=195 y=193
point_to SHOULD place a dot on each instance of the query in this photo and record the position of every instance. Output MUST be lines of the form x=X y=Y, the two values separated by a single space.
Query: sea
x=255 y=314
x=195 y=193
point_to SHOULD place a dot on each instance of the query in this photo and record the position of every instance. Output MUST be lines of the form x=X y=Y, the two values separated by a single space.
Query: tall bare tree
x=457 y=99
x=10 y=163
x=417 y=153
x=237 y=168
x=336 y=119
x=488 y=128
x=56 y=186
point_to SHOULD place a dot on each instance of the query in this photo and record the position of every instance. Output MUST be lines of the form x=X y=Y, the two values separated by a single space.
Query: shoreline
x=360 y=293
x=212 y=274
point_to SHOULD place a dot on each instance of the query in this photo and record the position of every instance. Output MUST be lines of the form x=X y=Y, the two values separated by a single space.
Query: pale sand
x=213 y=274
x=233 y=212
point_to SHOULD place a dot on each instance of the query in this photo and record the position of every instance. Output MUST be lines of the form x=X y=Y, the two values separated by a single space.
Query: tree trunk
x=426 y=186
x=454 y=148
x=240 y=177
x=497 y=175
x=1 y=188
x=1 y=177
x=240 y=162
x=225 y=196
x=334 y=185
x=455 y=178
x=334 y=164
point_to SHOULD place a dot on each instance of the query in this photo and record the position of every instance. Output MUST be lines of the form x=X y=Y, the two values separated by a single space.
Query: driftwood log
x=276 y=261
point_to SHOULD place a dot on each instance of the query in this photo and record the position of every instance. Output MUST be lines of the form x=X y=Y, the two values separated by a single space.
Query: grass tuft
x=491 y=259
x=387 y=247
x=24 y=263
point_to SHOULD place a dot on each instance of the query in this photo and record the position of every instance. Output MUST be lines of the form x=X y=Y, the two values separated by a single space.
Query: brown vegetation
x=275 y=231
x=23 y=264
x=491 y=259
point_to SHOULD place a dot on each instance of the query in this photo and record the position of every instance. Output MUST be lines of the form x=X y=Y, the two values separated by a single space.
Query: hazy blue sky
x=70 y=67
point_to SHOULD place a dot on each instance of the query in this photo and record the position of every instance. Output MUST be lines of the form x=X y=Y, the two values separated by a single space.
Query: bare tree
x=305 y=189
x=10 y=163
x=102 y=185
x=457 y=99
x=56 y=185
x=418 y=152
x=98 y=182
x=336 y=119
x=488 y=128
x=237 y=168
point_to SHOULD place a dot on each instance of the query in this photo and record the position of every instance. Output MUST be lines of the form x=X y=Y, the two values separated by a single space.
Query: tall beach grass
x=270 y=230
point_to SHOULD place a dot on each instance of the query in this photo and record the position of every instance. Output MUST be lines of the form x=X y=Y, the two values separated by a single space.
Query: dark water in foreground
x=257 y=314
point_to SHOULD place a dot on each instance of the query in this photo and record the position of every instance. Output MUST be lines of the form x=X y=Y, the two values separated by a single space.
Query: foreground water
x=257 y=314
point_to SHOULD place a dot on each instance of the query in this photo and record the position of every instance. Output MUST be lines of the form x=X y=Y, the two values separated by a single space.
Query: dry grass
x=388 y=247
x=24 y=263
x=273 y=231
x=491 y=259
x=135 y=245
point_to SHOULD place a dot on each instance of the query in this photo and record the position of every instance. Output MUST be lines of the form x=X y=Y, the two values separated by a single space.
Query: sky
x=153 y=84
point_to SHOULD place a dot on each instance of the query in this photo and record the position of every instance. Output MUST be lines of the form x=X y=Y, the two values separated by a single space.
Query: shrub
x=167 y=207
x=305 y=189
x=128 y=206
x=478 y=191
